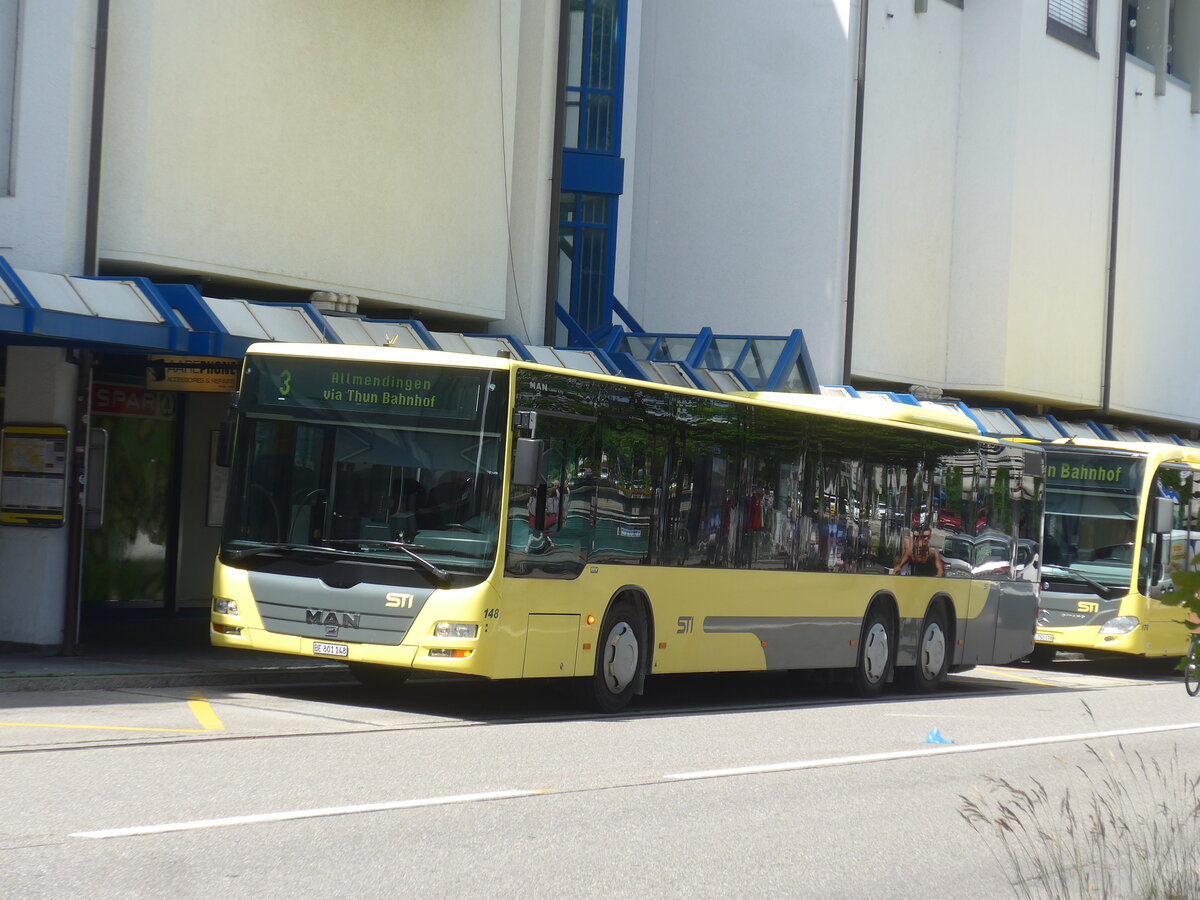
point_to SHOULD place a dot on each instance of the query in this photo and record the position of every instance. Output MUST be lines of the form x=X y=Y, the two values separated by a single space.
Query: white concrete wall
x=43 y=217
x=39 y=390
x=531 y=73
x=738 y=212
x=906 y=221
x=987 y=166
x=364 y=147
x=1155 y=362
x=1062 y=203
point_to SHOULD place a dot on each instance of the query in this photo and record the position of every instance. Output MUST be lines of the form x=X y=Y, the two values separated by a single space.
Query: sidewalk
x=174 y=661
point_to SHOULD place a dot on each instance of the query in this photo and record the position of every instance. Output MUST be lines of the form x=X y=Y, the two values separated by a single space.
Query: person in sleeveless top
x=920 y=556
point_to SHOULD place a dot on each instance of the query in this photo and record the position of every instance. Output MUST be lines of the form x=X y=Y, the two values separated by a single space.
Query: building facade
x=994 y=201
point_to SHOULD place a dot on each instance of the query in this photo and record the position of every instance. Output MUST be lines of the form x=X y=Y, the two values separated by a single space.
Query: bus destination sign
x=314 y=384
x=1079 y=469
x=373 y=390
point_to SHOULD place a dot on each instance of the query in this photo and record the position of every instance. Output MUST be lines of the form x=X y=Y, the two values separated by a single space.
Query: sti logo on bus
x=1088 y=606
x=330 y=618
x=396 y=600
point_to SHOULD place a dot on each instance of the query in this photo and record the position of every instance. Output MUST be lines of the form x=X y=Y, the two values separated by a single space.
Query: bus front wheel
x=1042 y=655
x=620 y=657
x=875 y=654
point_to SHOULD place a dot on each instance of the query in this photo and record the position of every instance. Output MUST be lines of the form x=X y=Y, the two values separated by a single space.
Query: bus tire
x=933 y=652
x=620 y=658
x=876 y=653
x=1042 y=654
x=383 y=678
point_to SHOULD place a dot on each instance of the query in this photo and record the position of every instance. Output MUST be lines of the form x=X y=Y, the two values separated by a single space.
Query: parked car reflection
x=989 y=555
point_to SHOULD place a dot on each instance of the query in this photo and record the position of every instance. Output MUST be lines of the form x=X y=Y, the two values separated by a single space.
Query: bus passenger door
x=1168 y=546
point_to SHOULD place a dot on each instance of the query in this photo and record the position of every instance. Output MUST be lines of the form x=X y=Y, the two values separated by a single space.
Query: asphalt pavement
x=178 y=657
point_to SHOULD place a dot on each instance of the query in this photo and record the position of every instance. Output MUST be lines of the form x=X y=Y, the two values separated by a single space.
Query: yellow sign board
x=33 y=486
x=192 y=373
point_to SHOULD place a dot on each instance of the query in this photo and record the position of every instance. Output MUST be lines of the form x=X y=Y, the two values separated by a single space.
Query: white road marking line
x=139 y=830
x=300 y=814
x=938 y=750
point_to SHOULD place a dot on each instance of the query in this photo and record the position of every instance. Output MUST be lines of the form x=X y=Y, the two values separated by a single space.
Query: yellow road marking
x=1004 y=673
x=204 y=713
x=200 y=707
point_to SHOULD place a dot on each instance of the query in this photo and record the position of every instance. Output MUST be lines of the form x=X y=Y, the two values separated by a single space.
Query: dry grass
x=1123 y=826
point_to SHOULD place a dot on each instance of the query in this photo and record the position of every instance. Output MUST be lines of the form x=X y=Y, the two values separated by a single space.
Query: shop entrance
x=127 y=563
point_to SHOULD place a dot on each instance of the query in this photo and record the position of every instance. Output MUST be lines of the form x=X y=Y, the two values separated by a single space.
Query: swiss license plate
x=1044 y=638
x=323 y=649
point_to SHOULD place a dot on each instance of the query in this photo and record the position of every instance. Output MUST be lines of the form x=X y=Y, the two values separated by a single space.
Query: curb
x=246 y=677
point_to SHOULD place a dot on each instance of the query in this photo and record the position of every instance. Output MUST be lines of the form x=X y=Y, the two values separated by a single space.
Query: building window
x=595 y=58
x=1150 y=33
x=1074 y=22
x=592 y=171
x=586 y=224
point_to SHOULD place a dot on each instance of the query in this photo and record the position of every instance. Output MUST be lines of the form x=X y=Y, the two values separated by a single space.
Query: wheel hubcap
x=933 y=650
x=621 y=657
x=875 y=653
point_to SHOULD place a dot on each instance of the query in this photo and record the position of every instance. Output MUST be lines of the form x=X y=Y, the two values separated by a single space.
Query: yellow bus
x=429 y=511
x=1120 y=518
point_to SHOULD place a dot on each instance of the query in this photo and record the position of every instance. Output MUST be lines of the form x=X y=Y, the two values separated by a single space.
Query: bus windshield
x=1091 y=518
x=396 y=464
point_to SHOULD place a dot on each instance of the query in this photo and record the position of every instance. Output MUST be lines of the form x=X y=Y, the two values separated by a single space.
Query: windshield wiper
x=244 y=552
x=367 y=543
x=1065 y=574
x=1100 y=590
x=422 y=563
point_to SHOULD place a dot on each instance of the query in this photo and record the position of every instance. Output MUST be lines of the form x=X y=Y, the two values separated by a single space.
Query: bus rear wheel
x=383 y=678
x=933 y=656
x=620 y=658
x=875 y=654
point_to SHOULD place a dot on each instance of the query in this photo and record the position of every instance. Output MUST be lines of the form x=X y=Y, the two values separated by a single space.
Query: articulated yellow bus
x=1120 y=518
x=425 y=511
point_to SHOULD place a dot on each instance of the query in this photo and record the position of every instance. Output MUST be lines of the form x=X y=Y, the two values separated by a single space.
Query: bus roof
x=1160 y=451
x=371 y=353
x=856 y=407
x=869 y=408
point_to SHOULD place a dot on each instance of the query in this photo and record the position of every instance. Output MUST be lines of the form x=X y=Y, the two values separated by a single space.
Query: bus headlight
x=455 y=630
x=1119 y=625
x=225 y=607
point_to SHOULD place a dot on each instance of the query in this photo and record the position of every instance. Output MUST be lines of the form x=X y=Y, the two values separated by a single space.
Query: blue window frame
x=586 y=253
x=594 y=77
x=592 y=169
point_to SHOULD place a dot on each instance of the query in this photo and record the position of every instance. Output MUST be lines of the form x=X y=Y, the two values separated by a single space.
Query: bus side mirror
x=1164 y=515
x=529 y=466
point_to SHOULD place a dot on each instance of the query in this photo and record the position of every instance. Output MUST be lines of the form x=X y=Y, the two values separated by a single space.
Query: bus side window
x=550 y=525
